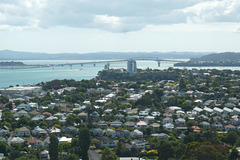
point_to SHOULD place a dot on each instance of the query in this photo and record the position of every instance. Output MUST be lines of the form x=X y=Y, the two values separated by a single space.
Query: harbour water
x=87 y=71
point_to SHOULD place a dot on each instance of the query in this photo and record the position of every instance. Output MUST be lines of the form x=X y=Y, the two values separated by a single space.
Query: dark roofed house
x=123 y=133
x=70 y=130
x=38 y=117
x=129 y=124
x=163 y=136
x=95 y=114
x=102 y=124
x=138 y=144
x=46 y=142
x=115 y=124
x=23 y=132
x=97 y=131
x=4 y=132
x=15 y=140
x=37 y=130
x=106 y=141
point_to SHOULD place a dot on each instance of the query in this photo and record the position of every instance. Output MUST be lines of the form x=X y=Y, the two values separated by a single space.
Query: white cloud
x=237 y=30
x=115 y=15
x=214 y=11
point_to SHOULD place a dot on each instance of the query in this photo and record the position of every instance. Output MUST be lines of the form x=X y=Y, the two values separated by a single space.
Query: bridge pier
x=106 y=67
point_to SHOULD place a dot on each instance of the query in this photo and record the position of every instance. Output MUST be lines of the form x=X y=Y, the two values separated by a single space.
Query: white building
x=131 y=66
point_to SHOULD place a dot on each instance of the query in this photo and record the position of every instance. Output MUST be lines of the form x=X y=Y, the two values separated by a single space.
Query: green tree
x=206 y=150
x=7 y=115
x=4 y=99
x=234 y=154
x=75 y=146
x=65 y=146
x=72 y=157
x=84 y=142
x=119 y=148
x=24 y=121
x=231 y=137
x=158 y=92
x=182 y=84
x=9 y=105
x=43 y=124
x=17 y=102
x=186 y=106
x=166 y=151
x=53 y=147
x=70 y=119
x=2 y=147
x=107 y=154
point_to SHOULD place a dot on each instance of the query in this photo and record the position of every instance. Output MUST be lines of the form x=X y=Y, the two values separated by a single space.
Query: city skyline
x=80 y=26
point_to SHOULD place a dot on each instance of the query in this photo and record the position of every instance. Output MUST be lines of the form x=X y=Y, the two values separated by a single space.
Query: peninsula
x=17 y=65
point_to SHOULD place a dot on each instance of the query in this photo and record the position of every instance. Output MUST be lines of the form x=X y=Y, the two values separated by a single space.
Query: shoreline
x=22 y=67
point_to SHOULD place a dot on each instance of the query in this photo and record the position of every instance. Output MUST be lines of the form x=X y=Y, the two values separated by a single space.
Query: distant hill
x=16 y=55
x=227 y=56
x=12 y=63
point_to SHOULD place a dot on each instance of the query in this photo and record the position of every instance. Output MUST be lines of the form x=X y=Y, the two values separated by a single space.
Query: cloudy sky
x=82 y=26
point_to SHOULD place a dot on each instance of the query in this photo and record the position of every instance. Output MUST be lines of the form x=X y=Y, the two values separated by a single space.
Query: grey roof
x=23 y=129
x=216 y=109
x=38 y=117
x=197 y=109
x=16 y=139
x=207 y=109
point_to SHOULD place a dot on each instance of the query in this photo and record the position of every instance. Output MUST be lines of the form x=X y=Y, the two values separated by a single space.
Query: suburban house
x=34 y=142
x=23 y=132
x=106 y=141
x=142 y=125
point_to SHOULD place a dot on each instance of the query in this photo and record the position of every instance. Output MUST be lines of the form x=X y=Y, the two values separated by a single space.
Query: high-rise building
x=132 y=66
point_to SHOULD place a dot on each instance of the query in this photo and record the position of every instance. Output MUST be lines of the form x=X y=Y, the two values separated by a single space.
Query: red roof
x=142 y=123
x=229 y=126
x=167 y=114
x=47 y=113
x=32 y=140
x=196 y=129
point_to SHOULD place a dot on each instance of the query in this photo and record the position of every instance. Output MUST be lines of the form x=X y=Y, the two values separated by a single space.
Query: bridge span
x=117 y=61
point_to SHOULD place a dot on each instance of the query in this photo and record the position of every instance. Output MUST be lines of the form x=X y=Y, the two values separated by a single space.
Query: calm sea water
x=87 y=71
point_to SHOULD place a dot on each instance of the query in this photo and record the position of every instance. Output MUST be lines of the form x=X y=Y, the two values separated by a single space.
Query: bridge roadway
x=116 y=61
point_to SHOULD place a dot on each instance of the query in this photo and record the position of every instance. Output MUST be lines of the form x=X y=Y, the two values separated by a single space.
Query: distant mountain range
x=16 y=55
x=226 y=56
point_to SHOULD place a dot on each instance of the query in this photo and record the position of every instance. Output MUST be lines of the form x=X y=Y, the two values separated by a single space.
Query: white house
x=217 y=110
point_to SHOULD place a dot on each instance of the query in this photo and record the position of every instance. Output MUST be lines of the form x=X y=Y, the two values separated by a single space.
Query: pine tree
x=53 y=147
x=84 y=142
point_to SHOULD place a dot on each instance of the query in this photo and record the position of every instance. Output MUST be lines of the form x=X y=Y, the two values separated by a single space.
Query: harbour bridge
x=107 y=62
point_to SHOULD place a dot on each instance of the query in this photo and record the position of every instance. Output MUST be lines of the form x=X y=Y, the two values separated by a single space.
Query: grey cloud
x=116 y=15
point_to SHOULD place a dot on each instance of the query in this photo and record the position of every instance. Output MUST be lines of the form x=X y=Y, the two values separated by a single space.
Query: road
x=93 y=155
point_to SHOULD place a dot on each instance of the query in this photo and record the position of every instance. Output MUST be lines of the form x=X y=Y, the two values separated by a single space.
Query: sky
x=82 y=26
